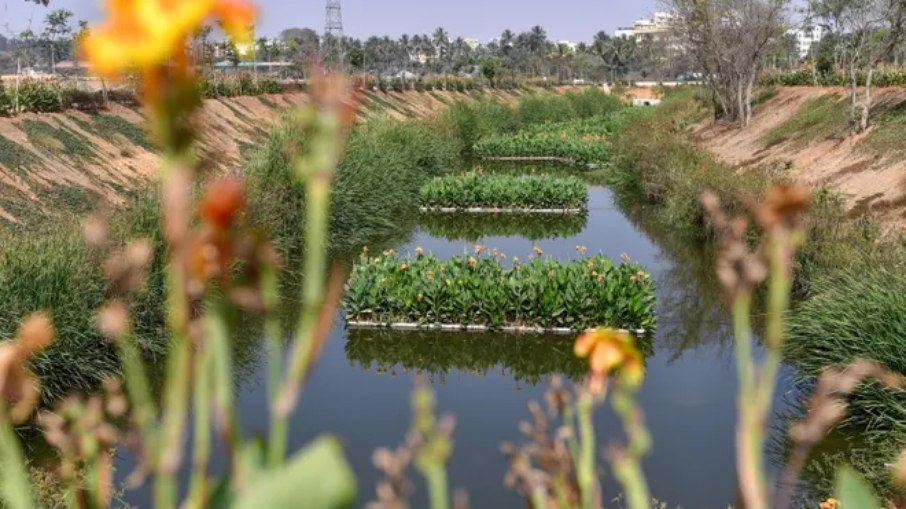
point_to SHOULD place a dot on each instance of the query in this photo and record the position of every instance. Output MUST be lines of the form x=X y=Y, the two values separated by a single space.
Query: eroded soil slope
x=70 y=162
x=803 y=132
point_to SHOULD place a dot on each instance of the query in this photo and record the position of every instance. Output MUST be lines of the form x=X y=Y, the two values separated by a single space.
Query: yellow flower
x=479 y=249
x=472 y=261
x=608 y=350
x=147 y=34
x=831 y=503
x=419 y=251
x=404 y=267
x=538 y=250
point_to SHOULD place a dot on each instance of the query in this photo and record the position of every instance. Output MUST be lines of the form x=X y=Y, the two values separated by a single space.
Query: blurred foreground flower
x=146 y=34
x=19 y=387
x=609 y=350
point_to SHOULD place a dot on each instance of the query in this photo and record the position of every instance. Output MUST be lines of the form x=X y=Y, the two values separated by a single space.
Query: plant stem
x=628 y=469
x=202 y=407
x=585 y=467
x=14 y=483
x=436 y=476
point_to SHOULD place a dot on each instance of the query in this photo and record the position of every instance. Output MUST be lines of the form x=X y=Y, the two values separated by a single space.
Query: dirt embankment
x=802 y=132
x=69 y=162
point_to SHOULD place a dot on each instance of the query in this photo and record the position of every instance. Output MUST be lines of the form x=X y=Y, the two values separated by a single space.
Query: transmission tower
x=333 y=34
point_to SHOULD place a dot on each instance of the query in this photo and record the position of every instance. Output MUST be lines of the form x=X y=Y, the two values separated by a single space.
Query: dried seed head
x=126 y=269
x=113 y=320
x=36 y=334
x=783 y=206
x=223 y=201
x=95 y=231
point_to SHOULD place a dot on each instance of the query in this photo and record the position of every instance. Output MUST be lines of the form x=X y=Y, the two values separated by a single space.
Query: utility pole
x=333 y=50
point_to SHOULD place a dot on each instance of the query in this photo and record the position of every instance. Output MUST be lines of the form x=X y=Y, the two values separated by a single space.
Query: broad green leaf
x=852 y=492
x=317 y=477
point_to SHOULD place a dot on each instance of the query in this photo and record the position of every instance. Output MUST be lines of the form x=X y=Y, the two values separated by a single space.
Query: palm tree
x=441 y=40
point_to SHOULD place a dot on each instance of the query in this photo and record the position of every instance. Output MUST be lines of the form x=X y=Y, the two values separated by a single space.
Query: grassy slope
x=850 y=281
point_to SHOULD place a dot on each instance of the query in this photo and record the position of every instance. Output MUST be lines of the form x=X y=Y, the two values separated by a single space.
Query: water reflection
x=688 y=396
x=474 y=227
x=526 y=358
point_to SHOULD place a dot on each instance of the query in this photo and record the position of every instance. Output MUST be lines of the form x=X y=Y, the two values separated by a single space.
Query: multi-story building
x=655 y=27
x=806 y=37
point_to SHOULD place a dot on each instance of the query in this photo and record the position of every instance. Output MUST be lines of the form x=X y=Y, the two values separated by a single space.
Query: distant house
x=806 y=37
x=655 y=27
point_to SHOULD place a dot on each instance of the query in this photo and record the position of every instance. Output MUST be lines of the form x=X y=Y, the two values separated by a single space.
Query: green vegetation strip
x=576 y=141
x=480 y=291
x=477 y=192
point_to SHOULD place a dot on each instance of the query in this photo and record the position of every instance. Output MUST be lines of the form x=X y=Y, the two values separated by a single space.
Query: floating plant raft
x=489 y=292
x=479 y=192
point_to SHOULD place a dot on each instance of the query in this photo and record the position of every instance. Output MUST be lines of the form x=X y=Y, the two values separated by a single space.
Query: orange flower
x=608 y=350
x=145 y=34
x=18 y=385
x=223 y=201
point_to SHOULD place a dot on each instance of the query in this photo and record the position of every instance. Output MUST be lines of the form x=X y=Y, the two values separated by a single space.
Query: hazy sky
x=575 y=20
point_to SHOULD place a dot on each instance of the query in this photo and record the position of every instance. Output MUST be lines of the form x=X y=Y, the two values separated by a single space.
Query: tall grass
x=376 y=192
x=656 y=163
x=54 y=270
x=856 y=313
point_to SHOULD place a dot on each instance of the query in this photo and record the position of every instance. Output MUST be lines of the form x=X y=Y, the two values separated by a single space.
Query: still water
x=360 y=389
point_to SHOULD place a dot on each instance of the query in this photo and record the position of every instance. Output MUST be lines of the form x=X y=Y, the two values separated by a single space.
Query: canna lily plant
x=217 y=265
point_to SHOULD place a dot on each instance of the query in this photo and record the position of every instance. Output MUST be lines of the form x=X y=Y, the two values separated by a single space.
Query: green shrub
x=476 y=189
x=544 y=107
x=593 y=102
x=473 y=121
x=7 y=102
x=271 y=86
x=805 y=77
x=480 y=291
x=39 y=97
x=657 y=164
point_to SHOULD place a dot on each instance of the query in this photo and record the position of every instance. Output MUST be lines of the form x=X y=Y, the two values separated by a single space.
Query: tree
x=441 y=42
x=729 y=40
x=56 y=36
x=490 y=68
x=869 y=31
x=302 y=46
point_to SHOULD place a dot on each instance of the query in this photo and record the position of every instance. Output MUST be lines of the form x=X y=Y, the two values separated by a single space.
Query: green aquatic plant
x=478 y=190
x=481 y=290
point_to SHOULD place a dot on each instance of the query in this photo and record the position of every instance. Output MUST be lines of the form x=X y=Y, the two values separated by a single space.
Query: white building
x=806 y=37
x=653 y=28
x=572 y=46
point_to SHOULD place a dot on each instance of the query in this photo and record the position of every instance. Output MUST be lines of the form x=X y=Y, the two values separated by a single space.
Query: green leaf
x=317 y=477
x=853 y=492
